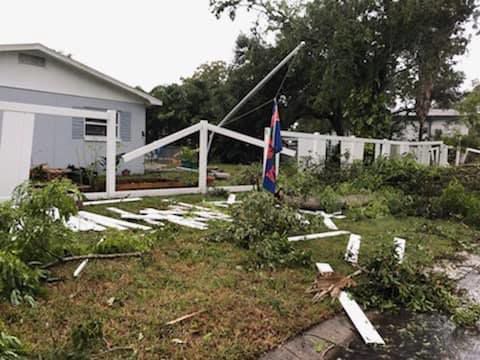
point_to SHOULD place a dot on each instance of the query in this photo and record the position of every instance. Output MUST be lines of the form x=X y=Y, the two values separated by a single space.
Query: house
x=440 y=122
x=35 y=74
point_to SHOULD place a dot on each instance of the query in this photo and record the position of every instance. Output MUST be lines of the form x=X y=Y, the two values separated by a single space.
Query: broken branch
x=91 y=256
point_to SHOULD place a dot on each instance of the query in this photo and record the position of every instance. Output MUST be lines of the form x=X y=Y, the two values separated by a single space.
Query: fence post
x=266 y=139
x=203 y=157
x=111 y=153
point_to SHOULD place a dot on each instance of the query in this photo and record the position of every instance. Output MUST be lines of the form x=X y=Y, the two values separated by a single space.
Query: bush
x=18 y=282
x=257 y=217
x=10 y=347
x=455 y=201
x=330 y=201
x=34 y=229
x=261 y=225
x=390 y=285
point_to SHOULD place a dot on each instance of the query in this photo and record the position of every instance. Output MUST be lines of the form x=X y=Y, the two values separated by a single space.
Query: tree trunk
x=423 y=101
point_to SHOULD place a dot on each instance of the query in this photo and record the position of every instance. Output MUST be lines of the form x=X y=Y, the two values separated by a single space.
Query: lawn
x=245 y=311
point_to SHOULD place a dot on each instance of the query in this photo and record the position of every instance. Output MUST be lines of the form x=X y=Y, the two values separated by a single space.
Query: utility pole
x=257 y=88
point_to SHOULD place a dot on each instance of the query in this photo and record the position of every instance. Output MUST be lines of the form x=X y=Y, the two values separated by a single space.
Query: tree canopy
x=363 y=60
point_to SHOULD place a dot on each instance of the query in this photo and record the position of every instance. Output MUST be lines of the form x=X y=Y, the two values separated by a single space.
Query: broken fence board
x=324 y=268
x=400 y=245
x=76 y=224
x=128 y=215
x=80 y=268
x=353 y=248
x=318 y=236
x=329 y=223
x=112 y=201
x=231 y=199
x=110 y=222
x=360 y=320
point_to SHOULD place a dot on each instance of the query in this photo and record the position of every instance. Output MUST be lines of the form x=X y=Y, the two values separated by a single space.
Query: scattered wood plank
x=318 y=236
x=185 y=317
x=231 y=199
x=111 y=222
x=324 y=269
x=77 y=224
x=112 y=201
x=80 y=268
x=128 y=215
x=400 y=245
x=360 y=320
x=353 y=248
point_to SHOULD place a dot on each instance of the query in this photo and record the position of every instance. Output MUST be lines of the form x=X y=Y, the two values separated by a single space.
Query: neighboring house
x=35 y=74
x=440 y=122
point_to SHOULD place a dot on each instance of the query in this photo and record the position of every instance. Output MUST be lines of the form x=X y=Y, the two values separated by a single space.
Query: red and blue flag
x=274 y=147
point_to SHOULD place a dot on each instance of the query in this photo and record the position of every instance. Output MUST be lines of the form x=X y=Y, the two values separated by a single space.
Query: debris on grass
x=353 y=248
x=324 y=269
x=80 y=268
x=331 y=284
x=112 y=201
x=365 y=328
x=185 y=317
x=400 y=248
x=111 y=222
x=318 y=236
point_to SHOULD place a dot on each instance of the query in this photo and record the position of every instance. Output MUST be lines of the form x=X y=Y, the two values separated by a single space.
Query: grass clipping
x=261 y=225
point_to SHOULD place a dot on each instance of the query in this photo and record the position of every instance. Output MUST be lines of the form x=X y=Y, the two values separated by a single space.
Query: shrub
x=10 y=347
x=455 y=201
x=257 y=217
x=390 y=285
x=330 y=201
x=35 y=229
x=261 y=225
x=18 y=282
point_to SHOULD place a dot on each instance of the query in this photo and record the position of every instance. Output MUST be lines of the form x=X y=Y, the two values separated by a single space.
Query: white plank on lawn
x=128 y=215
x=80 y=268
x=111 y=222
x=353 y=248
x=112 y=201
x=76 y=224
x=400 y=248
x=318 y=236
x=360 y=320
x=324 y=268
x=231 y=199
x=329 y=223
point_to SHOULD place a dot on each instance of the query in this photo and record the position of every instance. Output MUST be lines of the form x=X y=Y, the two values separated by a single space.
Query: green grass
x=245 y=312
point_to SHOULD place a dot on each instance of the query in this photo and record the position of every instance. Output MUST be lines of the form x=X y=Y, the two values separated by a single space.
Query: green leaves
x=10 y=347
x=261 y=225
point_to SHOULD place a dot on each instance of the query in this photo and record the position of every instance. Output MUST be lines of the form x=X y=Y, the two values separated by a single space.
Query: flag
x=274 y=147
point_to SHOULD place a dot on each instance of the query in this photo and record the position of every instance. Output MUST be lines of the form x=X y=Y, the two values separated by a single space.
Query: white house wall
x=57 y=77
x=53 y=142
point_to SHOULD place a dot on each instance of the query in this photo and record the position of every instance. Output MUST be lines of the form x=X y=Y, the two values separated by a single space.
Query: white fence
x=317 y=148
x=16 y=137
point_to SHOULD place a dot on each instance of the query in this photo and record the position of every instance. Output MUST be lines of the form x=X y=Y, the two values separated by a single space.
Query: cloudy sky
x=141 y=42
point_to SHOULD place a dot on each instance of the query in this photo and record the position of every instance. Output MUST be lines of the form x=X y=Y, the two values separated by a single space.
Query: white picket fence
x=317 y=148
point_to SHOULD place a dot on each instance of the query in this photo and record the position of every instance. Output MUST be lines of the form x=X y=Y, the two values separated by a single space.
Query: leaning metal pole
x=259 y=86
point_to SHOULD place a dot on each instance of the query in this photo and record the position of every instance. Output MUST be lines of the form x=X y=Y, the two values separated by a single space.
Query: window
x=96 y=129
x=29 y=59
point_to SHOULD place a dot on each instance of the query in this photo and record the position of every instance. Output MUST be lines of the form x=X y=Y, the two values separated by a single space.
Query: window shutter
x=78 y=128
x=125 y=126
